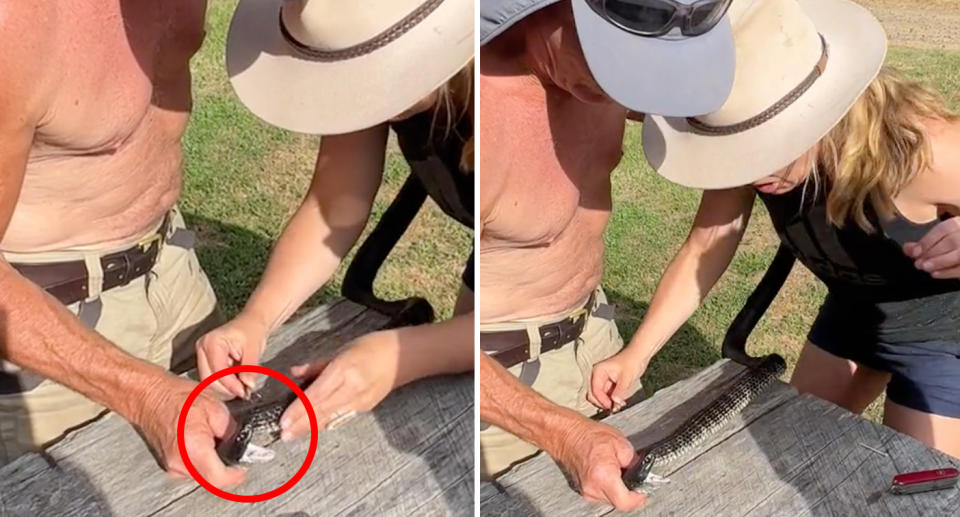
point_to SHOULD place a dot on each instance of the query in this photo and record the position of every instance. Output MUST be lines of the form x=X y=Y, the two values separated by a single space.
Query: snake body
x=706 y=421
x=760 y=373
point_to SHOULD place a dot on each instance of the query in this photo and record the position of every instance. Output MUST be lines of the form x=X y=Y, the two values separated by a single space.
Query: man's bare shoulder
x=27 y=27
x=27 y=38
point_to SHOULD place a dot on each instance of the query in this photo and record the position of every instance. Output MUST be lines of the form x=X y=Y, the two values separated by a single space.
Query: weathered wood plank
x=538 y=486
x=806 y=457
x=420 y=439
x=787 y=456
x=412 y=457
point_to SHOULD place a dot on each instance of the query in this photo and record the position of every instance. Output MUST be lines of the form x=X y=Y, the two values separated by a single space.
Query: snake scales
x=760 y=373
x=259 y=414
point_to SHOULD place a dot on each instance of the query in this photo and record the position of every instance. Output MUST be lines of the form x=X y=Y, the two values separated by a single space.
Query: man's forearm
x=38 y=334
x=507 y=403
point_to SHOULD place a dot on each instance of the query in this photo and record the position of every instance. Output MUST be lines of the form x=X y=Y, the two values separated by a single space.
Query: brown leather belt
x=510 y=347
x=68 y=281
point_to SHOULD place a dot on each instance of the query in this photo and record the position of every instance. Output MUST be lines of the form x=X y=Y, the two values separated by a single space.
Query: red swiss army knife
x=924 y=481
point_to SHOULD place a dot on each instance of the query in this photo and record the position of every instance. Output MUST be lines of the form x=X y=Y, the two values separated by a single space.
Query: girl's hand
x=356 y=380
x=612 y=380
x=938 y=252
x=240 y=341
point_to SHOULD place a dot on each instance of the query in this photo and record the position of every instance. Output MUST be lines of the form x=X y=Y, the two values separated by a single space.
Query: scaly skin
x=705 y=422
x=261 y=412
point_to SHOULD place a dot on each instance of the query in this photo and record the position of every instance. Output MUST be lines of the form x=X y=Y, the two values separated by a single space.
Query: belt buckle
x=148 y=242
x=577 y=314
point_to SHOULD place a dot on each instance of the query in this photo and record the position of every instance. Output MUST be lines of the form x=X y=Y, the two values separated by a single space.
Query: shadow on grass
x=234 y=259
x=687 y=352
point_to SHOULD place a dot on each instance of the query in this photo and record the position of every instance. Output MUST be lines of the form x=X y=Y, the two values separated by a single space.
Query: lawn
x=651 y=217
x=244 y=179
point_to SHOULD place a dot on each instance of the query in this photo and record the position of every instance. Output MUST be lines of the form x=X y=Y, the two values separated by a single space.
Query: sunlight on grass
x=244 y=179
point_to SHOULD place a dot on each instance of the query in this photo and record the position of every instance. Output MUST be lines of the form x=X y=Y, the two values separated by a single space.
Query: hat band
x=360 y=49
x=700 y=127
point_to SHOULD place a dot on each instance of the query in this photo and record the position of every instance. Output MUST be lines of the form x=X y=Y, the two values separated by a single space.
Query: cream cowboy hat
x=336 y=66
x=800 y=66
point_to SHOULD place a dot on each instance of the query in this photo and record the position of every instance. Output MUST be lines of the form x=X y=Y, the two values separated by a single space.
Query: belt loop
x=533 y=335
x=94 y=275
x=173 y=221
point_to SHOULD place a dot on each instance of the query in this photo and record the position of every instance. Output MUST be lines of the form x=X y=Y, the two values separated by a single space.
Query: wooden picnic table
x=413 y=455
x=785 y=454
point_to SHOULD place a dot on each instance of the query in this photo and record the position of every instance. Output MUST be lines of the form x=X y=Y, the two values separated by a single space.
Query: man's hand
x=207 y=420
x=595 y=455
x=356 y=380
x=612 y=380
x=938 y=252
x=240 y=341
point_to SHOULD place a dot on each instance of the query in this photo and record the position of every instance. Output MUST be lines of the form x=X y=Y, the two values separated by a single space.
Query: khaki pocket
x=600 y=340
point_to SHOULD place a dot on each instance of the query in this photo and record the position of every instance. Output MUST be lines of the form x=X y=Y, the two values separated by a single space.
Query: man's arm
x=509 y=404
x=593 y=453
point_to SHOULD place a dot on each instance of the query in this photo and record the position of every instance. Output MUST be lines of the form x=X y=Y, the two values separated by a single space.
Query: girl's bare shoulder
x=939 y=183
x=944 y=138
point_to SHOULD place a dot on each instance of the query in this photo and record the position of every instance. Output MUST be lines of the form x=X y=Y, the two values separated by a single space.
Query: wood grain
x=538 y=486
x=785 y=455
x=412 y=455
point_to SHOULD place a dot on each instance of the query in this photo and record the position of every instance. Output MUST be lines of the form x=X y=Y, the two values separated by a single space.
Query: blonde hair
x=878 y=148
x=455 y=101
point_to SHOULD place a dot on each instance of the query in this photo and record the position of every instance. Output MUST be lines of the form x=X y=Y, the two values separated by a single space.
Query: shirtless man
x=550 y=133
x=98 y=286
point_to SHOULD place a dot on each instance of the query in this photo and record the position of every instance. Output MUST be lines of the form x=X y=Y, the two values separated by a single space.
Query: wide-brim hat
x=670 y=75
x=332 y=66
x=801 y=65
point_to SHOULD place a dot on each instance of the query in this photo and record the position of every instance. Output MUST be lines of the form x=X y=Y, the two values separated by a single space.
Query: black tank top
x=852 y=263
x=880 y=293
x=434 y=157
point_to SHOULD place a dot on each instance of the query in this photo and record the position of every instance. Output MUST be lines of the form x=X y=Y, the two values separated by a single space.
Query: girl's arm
x=321 y=232
x=717 y=230
x=374 y=365
x=324 y=228
x=704 y=256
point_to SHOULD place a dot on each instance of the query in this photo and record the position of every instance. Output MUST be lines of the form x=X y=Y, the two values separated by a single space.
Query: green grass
x=244 y=179
x=651 y=218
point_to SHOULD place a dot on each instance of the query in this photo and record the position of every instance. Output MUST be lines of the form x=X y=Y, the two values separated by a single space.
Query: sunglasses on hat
x=658 y=17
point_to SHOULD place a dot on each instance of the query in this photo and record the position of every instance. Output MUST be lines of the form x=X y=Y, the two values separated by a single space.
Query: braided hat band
x=767 y=114
x=361 y=49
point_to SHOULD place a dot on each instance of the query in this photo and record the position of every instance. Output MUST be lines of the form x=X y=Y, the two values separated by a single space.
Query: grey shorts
x=920 y=350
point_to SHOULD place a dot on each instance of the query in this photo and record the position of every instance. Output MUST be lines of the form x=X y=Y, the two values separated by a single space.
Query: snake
x=259 y=414
x=760 y=372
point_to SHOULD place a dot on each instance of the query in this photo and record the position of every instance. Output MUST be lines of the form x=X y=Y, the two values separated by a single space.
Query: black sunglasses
x=658 y=17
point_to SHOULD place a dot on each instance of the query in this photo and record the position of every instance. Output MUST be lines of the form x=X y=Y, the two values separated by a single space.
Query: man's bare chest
x=555 y=164
x=116 y=72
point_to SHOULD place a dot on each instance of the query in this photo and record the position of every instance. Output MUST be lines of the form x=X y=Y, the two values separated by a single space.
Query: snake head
x=636 y=473
x=245 y=424
x=234 y=444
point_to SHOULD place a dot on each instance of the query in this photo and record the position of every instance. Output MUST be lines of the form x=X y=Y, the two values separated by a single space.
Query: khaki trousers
x=561 y=375
x=156 y=317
